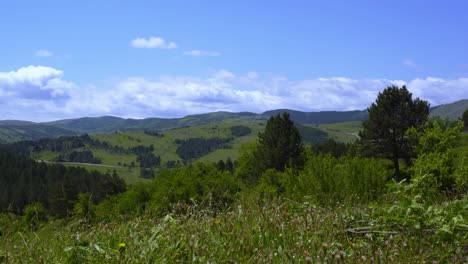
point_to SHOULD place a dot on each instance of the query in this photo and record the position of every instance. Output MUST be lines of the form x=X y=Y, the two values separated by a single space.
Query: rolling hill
x=13 y=130
x=453 y=111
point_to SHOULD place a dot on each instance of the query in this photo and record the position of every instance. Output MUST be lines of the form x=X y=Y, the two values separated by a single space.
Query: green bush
x=34 y=214
x=199 y=183
x=348 y=179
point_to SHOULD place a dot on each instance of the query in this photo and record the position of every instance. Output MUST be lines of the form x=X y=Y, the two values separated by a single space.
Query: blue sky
x=63 y=59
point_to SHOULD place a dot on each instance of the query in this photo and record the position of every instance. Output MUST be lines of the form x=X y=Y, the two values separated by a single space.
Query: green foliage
x=311 y=135
x=279 y=231
x=33 y=215
x=465 y=119
x=193 y=148
x=435 y=166
x=85 y=156
x=84 y=209
x=135 y=199
x=248 y=171
x=23 y=181
x=197 y=184
x=393 y=113
x=239 y=131
x=336 y=149
x=272 y=184
x=280 y=145
x=421 y=205
x=329 y=180
x=148 y=160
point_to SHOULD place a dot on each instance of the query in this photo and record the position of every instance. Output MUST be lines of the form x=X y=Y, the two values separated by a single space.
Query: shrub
x=34 y=214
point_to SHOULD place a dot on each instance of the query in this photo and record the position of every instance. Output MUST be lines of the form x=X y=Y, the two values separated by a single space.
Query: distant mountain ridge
x=452 y=111
x=108 y=124
x=14 y=130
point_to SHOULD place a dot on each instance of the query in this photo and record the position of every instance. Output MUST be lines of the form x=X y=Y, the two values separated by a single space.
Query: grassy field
x=165 y=146
x=342 y=132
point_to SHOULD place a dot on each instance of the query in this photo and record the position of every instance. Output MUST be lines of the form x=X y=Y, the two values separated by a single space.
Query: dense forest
x=24 y=181
x=196 y=147
x=398 y=194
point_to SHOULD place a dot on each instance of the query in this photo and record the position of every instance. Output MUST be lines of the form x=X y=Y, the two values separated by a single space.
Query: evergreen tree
x=465 y=119
x=280 y=145
x=220 y=165
x=229 y=165
x=393 y=113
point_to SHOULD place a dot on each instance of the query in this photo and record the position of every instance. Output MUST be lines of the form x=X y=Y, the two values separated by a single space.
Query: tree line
x=24 y=181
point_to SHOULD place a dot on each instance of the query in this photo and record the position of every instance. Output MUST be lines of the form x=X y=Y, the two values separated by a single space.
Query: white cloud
x=36 y=76
x=44 y=53
x=202 y=53
x=153 y=43
x=41 y=93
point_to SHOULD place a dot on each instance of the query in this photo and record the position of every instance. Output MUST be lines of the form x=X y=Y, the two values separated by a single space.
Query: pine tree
x=280 y=145
x=393 y=113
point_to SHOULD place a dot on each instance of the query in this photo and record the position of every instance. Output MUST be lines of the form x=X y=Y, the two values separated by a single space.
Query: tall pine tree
x=280 y=145
x=392 y=114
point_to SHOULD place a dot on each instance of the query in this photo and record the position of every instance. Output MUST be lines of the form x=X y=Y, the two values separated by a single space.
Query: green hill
x=453 y=111
x=107 y=124
x=12 y=131
x=324 y=117
x=117 y=150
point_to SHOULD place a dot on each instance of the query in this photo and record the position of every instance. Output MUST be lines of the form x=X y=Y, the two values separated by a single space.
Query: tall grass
x=251 y=231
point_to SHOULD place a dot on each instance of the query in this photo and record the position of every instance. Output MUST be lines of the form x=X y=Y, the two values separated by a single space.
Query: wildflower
x=217 y=221
x=121 y=252
x=122 y=247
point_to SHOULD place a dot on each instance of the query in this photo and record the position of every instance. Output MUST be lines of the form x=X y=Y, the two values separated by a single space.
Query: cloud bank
x=40 y=93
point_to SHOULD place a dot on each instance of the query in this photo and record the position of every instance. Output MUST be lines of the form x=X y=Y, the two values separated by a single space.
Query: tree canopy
x=392 y=114
x=279 y=145
x=465 y=119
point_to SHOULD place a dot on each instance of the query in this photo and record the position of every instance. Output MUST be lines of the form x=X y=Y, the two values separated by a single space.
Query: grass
x=252 y=231
x=343 y=131
x=165 y=147
x=130 y=176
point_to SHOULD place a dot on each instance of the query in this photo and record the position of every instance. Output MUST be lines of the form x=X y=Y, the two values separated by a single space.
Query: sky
x=138 y=59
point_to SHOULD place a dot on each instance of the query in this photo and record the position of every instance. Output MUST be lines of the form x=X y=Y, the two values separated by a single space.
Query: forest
x=397 y=194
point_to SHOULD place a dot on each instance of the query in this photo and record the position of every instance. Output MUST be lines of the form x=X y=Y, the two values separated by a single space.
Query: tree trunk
x=396 y=166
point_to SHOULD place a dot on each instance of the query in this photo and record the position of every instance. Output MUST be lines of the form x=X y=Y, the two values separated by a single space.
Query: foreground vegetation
x=251 y=231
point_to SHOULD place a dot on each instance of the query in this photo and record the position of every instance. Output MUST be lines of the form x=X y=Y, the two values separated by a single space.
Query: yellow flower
x=217 y=221
x=122 y=246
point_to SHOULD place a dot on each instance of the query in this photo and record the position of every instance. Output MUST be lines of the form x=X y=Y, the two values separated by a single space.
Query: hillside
x=13 y=130
x=324 y=117
x=453 y=111
x=119 y=150
x=107 y=124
